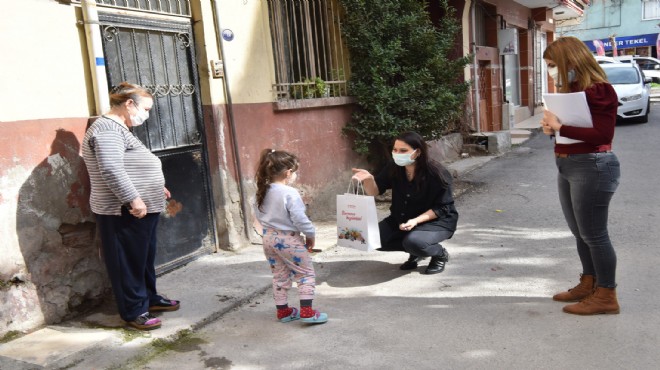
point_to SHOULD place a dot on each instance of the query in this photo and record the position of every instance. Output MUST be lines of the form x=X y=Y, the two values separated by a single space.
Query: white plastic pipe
x=96 y=57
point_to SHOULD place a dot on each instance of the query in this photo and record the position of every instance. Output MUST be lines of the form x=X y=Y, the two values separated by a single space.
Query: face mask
x=554 y=73
x=141 y=116
x=571 y=75
x=403 y=159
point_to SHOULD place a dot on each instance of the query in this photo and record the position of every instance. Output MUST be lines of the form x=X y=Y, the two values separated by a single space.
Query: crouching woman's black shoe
x=437 y=264
x=411 y=263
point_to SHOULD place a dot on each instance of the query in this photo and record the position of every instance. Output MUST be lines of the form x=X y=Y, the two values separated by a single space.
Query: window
x=310 y=58
x=650 y=9
x=176 y=7
x=622 y=76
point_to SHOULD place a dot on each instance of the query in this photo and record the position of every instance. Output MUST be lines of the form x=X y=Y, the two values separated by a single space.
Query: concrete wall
x=44 y=66
x=50 y=267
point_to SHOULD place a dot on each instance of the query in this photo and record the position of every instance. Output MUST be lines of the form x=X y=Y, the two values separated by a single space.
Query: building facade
x=507 y=39
x=229 y=79
x=622 y=27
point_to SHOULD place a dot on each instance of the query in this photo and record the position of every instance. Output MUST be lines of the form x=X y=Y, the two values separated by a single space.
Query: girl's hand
x=310 y=242
x=168 y=195
x=408 y=225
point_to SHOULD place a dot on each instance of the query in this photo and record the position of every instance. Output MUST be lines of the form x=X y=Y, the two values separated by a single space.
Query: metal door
x=159 y=55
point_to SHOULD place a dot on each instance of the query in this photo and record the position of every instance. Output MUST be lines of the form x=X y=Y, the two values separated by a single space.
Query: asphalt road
x=492 y=307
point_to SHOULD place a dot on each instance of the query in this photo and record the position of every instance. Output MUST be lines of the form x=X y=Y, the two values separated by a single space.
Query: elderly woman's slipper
x=146 y=321
x=164 y=304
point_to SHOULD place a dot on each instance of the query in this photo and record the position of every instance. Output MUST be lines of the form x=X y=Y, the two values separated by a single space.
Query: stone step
x=51 y=347
x=520 y=134
x=518 y=140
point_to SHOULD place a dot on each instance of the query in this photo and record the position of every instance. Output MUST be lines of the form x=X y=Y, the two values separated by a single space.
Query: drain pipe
x=230 y=114
x=476 y=66
x=96 y=57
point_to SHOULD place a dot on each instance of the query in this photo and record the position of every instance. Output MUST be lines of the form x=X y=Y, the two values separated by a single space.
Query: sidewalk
x=208 y=287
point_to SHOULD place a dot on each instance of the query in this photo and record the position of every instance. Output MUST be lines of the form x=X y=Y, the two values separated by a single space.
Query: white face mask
x=141 y=116
x=404 y=159
x=554 y=73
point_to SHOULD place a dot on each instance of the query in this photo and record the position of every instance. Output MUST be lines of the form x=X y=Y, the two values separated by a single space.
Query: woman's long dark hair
x=425 y=166
x=272 y=165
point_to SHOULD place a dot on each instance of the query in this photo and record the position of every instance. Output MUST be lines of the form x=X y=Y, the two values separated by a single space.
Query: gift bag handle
x=357 y=189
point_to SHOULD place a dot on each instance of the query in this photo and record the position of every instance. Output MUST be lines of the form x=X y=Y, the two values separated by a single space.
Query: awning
x=626 y=42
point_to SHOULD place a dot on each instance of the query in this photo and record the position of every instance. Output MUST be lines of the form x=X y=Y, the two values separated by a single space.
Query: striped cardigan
x=121 y=169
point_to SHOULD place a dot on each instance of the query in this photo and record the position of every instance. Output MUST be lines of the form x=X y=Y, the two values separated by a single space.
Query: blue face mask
x=403 y=159
x=554 y=73
x=571 y=75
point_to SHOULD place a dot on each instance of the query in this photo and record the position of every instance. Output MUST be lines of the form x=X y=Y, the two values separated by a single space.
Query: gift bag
x=357 y=220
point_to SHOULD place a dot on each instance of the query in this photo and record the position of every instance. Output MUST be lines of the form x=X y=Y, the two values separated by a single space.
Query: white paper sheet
x=571 y=109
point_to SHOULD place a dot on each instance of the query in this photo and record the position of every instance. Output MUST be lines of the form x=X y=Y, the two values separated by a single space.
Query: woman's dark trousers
x=129 y=251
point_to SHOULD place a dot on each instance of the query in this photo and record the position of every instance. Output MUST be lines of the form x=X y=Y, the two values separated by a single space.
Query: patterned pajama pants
x=289 y=260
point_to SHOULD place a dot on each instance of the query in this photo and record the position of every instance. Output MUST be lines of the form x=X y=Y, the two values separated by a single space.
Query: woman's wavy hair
x=425 y=166
x=570 y=53
x=124 y=91
x=272 y=165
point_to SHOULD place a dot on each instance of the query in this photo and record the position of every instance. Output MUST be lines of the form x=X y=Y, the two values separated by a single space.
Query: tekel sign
x=626 y=42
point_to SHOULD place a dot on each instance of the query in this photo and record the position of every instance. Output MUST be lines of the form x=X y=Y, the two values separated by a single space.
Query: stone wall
x=51 y=269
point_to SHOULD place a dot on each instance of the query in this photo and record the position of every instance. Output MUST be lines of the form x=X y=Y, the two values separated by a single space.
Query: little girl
x=281 y=212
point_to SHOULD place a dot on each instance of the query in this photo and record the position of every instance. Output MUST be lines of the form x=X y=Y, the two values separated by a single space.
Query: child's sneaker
x=317 y=318
x=294 y=315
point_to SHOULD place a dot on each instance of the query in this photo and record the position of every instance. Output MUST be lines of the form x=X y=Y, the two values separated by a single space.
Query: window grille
x=175 y=7
x=310 y=58
x=650 y=9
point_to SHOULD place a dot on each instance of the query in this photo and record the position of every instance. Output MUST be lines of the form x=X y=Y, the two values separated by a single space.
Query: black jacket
x=410 y=200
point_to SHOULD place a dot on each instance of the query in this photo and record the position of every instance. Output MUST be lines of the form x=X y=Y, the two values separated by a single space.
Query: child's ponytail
x=272 y=164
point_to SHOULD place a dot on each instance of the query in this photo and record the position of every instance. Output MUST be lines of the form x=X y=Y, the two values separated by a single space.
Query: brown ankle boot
x=603 y=301
x=579 y=292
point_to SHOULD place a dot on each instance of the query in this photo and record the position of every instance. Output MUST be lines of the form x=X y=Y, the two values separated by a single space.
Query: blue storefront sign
x=626 y=42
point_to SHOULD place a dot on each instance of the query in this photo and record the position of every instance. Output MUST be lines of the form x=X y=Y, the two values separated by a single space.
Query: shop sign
x=507 y=39
x=626 y=42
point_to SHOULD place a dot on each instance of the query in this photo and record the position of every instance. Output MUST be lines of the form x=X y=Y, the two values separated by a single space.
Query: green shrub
x=402 y=73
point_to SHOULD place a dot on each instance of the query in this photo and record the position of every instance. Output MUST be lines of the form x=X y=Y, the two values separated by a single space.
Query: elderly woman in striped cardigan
x=128 y=193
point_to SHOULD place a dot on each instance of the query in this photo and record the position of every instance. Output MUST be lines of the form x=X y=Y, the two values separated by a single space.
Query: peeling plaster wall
x=314 y=135
x=50 y=268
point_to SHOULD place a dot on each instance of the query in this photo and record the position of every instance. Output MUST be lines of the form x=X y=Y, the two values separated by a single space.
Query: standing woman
x=422 y=210
x=588 y=174
x=128 y=193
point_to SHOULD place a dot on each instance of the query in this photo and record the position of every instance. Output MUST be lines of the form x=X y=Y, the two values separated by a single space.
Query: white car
x=632 y=88
x=649 y=66
x=603 y=59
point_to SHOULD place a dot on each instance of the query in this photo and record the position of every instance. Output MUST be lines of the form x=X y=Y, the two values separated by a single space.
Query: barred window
x=175 y=7
x=651 y=9
x=310 y=58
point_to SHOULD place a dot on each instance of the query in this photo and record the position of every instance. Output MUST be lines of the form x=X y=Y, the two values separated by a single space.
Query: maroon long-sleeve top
x=603 y=103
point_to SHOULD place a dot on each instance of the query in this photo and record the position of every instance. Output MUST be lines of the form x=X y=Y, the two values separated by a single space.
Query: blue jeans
x=586 y=184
